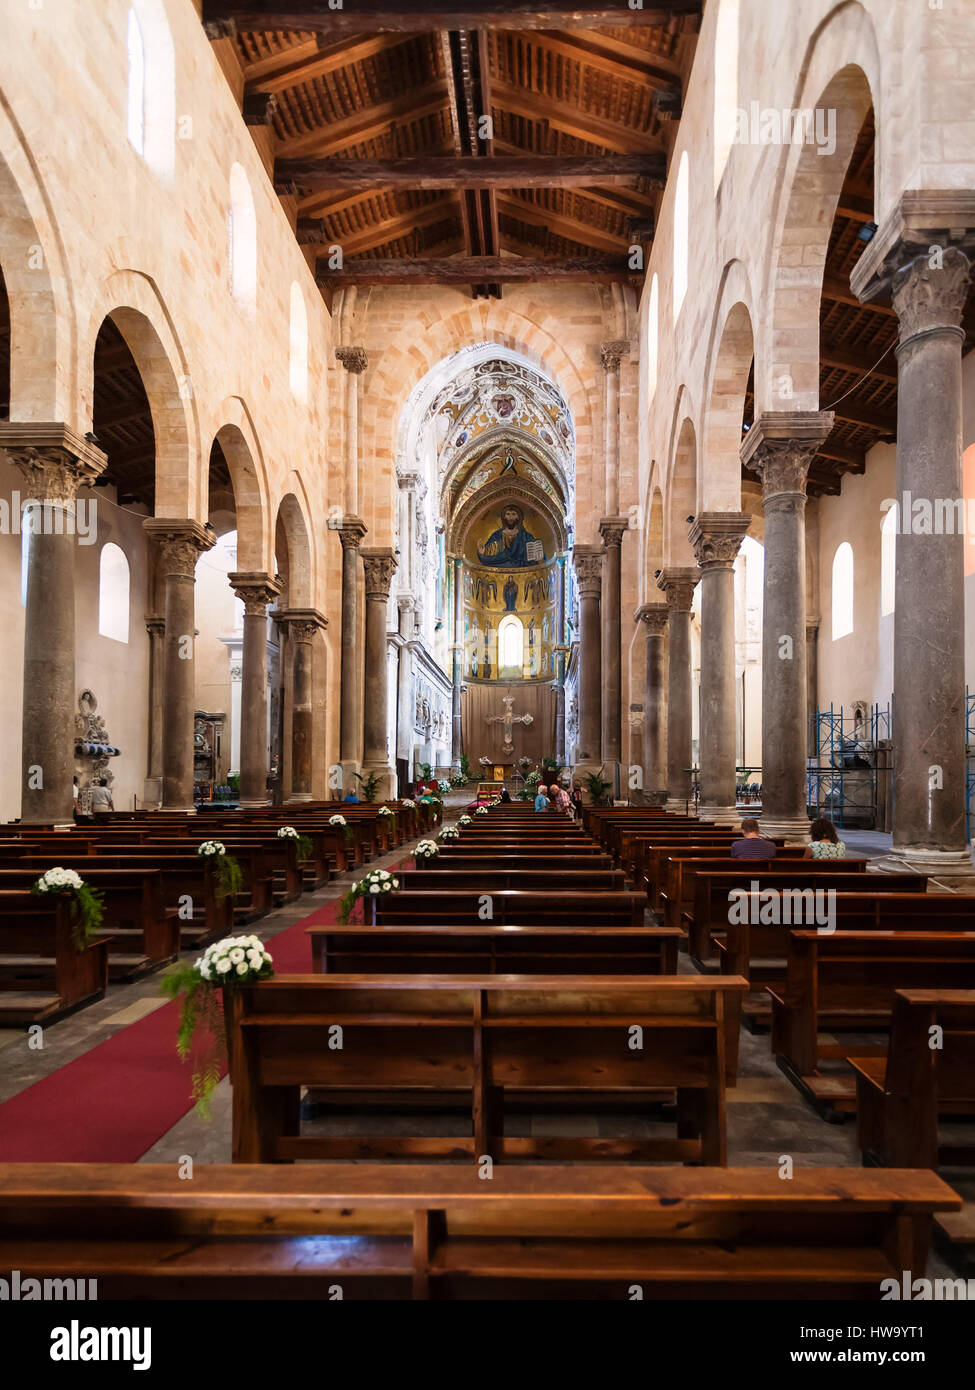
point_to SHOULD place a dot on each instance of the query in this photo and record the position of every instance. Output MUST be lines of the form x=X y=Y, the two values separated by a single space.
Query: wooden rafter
x=613 y=57
x=324 y=173
x=572 y=120
x=479 y=270
x=368 y=124
x=318 y=16
x=305 y=62
x=572 y=228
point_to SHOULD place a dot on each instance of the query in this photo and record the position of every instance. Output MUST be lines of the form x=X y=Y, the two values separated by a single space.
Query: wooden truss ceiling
x=121 y=420
x=378 y=136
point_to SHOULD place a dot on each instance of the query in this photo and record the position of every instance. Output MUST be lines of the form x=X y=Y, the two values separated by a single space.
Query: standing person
x=562 y=800
x=824 y=843
x=752 y=846
x=577 y=801
x=541 y=799
x=101 y=799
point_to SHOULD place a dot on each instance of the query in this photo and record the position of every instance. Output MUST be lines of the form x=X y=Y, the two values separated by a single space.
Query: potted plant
x=596 y=786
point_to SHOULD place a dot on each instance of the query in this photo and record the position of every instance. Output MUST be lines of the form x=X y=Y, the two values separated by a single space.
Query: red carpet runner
x=115 y=1102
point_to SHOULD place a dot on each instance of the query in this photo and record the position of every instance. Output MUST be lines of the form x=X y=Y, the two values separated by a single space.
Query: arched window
x=725 y=85
x=511 y=643
x=136 y=112
x=298 y=365
x=843 y=590
x=113 y=593
x=653 y=335
x=242 y=240
x=681 y=198
x=888 y=553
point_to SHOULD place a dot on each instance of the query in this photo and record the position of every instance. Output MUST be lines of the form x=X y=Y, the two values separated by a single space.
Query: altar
x=504 y=732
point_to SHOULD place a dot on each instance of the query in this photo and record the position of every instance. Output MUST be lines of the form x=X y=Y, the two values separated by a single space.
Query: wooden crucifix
x=509 y=720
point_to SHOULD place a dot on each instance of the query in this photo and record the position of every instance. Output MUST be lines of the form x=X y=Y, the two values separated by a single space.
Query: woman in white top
x=824 y=843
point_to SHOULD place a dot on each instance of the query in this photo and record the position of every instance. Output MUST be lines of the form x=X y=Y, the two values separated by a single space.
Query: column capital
x=408 y=480
x=612 y=529
x=922 y=222
x=927 y=297
x=379 y=563
x=156 y=627
x=678 y=587
x=301 y=623
x=717 y=537
x=351 y=530
x=353 y=359
x=611 y=354
x=53 y=459
x=587 y=561
x=781 y=445
x=255 y=590
x=812 y=628
x=654 y=618
x=181 y=543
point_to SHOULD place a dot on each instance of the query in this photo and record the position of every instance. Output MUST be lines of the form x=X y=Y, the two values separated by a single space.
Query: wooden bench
x=676 y=867
x=849 y=980
x=522 y=876
x=455 y=860
x=509 y=906
x=486 y=1037
x=42 y=976
x=426 y=1231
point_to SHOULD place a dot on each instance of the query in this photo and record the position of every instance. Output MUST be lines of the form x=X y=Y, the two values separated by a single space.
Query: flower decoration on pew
x=426 y=849
x=229 y=875
x=201 y=1035
x=408 y=804
x=481 y=811
x=342 y=824
x=86 y=903
x=385 y=811
x=303 y=843
x=376 y=882
x=443 y=787
x=465 y=821
x=449 y=832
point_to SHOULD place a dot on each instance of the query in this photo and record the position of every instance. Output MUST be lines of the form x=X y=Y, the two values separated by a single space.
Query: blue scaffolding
x=843 y=776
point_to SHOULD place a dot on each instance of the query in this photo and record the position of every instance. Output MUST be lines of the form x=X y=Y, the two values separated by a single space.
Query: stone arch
x=808 y=187
x=730 y=354
x=654 y=543
x=293 y=550
x=681 y=496
x=132 y=301
x=248 y=474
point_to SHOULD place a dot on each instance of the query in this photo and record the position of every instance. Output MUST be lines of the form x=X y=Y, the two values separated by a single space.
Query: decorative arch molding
x=241 y=448
x=133 y=302
x=731 y=349
x=292 y=513
x=465 y=463
x=680 y=497
x=808 y=185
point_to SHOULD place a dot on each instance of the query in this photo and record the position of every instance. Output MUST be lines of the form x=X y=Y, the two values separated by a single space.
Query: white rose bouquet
x=375 y=883
x=342 y=824
x=87 y=904
x=408 y=804
x=229 y=875
x=449 y=832
x=385 y=811
x=465 y=820
x=201 y=1036
x=426 y=849
x=481 y=811
x=303 y=844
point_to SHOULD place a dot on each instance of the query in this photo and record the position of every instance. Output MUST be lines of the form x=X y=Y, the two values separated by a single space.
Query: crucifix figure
x=509 y=720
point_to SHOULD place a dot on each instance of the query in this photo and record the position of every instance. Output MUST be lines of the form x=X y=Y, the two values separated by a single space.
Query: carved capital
x=353 y=359
x=407 y=482
x=613 y=529
x=181 y=543
x=927 y=296
x=379 y=566
x=654 y=618
x=611 y=354
x=678 y=588
x=53 y=460
x=588 y=564
x=301 y=624
x=717 y=537
x=351 y=530
x=256 y=591
x=781 y=445
x=156 y=627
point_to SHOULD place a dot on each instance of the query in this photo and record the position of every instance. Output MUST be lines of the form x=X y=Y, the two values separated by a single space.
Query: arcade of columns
x=929 y=732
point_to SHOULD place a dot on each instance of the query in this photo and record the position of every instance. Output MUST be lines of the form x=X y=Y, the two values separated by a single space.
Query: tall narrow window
x=242 y=240
x=725 y=85
x=298 y=366
x=25 y=528
x=843 y=590
x=888 y=555
x=113 y=593
x=681 y=202
x=136 y=113
x=653 y=334
x=511 y=643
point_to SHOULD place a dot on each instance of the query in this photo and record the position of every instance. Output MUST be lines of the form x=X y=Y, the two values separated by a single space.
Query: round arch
x=730 y=355
x=248 y=474
x=681 y=501
x=295 y=564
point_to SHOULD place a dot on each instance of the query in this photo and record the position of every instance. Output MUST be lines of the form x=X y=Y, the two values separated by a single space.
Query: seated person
x=541 y=799
x=352 y=798
x=505 y=794
x=752 y=846
x=824 y=843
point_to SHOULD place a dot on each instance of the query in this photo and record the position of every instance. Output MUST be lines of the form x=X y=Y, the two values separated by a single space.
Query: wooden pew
x=519 y=875
x=849 y=979
x=675 y=875
x=487 y=948
x=42 y=976
x=427 y=1231
x=510 y=907
x=456 y=861
x=901 y=1096
x=487 y=1037
x=465 y=849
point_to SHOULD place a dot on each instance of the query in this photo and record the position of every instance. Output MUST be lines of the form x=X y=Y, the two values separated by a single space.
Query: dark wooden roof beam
x=479 y=270
x=307 y=61
x=228 y=17
x=426 y=172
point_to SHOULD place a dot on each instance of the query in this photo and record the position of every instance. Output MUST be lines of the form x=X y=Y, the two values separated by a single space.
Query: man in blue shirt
x=541 y=800
x=752 y=846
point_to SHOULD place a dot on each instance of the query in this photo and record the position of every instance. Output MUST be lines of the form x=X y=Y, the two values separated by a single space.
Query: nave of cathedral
x=468 y=479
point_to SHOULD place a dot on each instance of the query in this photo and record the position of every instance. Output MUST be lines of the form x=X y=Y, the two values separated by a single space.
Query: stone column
x=355 y=361
x=928 y=279
x=716 y=538
x=779 y=447
x=457 y=650
x=812 y=685
x=561 y=652
x=611 y=354
x=380 y=566
x=588 y=561
x=302 y=626
x=255 y=591
x=156 y=628
x=55 y=463
x=654 y=618
x=678 y=588
x=405 y=712
x=351 y=532
x=612 y=529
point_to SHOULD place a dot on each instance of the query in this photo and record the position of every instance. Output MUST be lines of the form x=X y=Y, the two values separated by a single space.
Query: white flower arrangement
x=375 y=883
x=408 y=804
x=288 y=832
x=443 y=786
x=427 y=849
x=234 y=960
x=385 y=811
x=211 y=849
x=337 y=820
x=230 y=878
x=449 y=832
x=465 y=820
x=481 y=811
x=57 y=880
x=87 y=905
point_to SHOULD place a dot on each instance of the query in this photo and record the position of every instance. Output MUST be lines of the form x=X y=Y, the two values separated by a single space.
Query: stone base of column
x=298 y=796
x=948 y=868
x=386 y=788
x=349 y=783
x=177 y=810
x=152 y=791
x=794 y=831
x=680 y=806
x=254 y=804
x=721 y=815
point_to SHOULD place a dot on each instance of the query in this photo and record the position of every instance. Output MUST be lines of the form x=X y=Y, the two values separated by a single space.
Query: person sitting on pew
x=101 y=799
x=505 y=795
x=541 y=799
x=752 y=846
x=352 y=798
x=824 y=843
